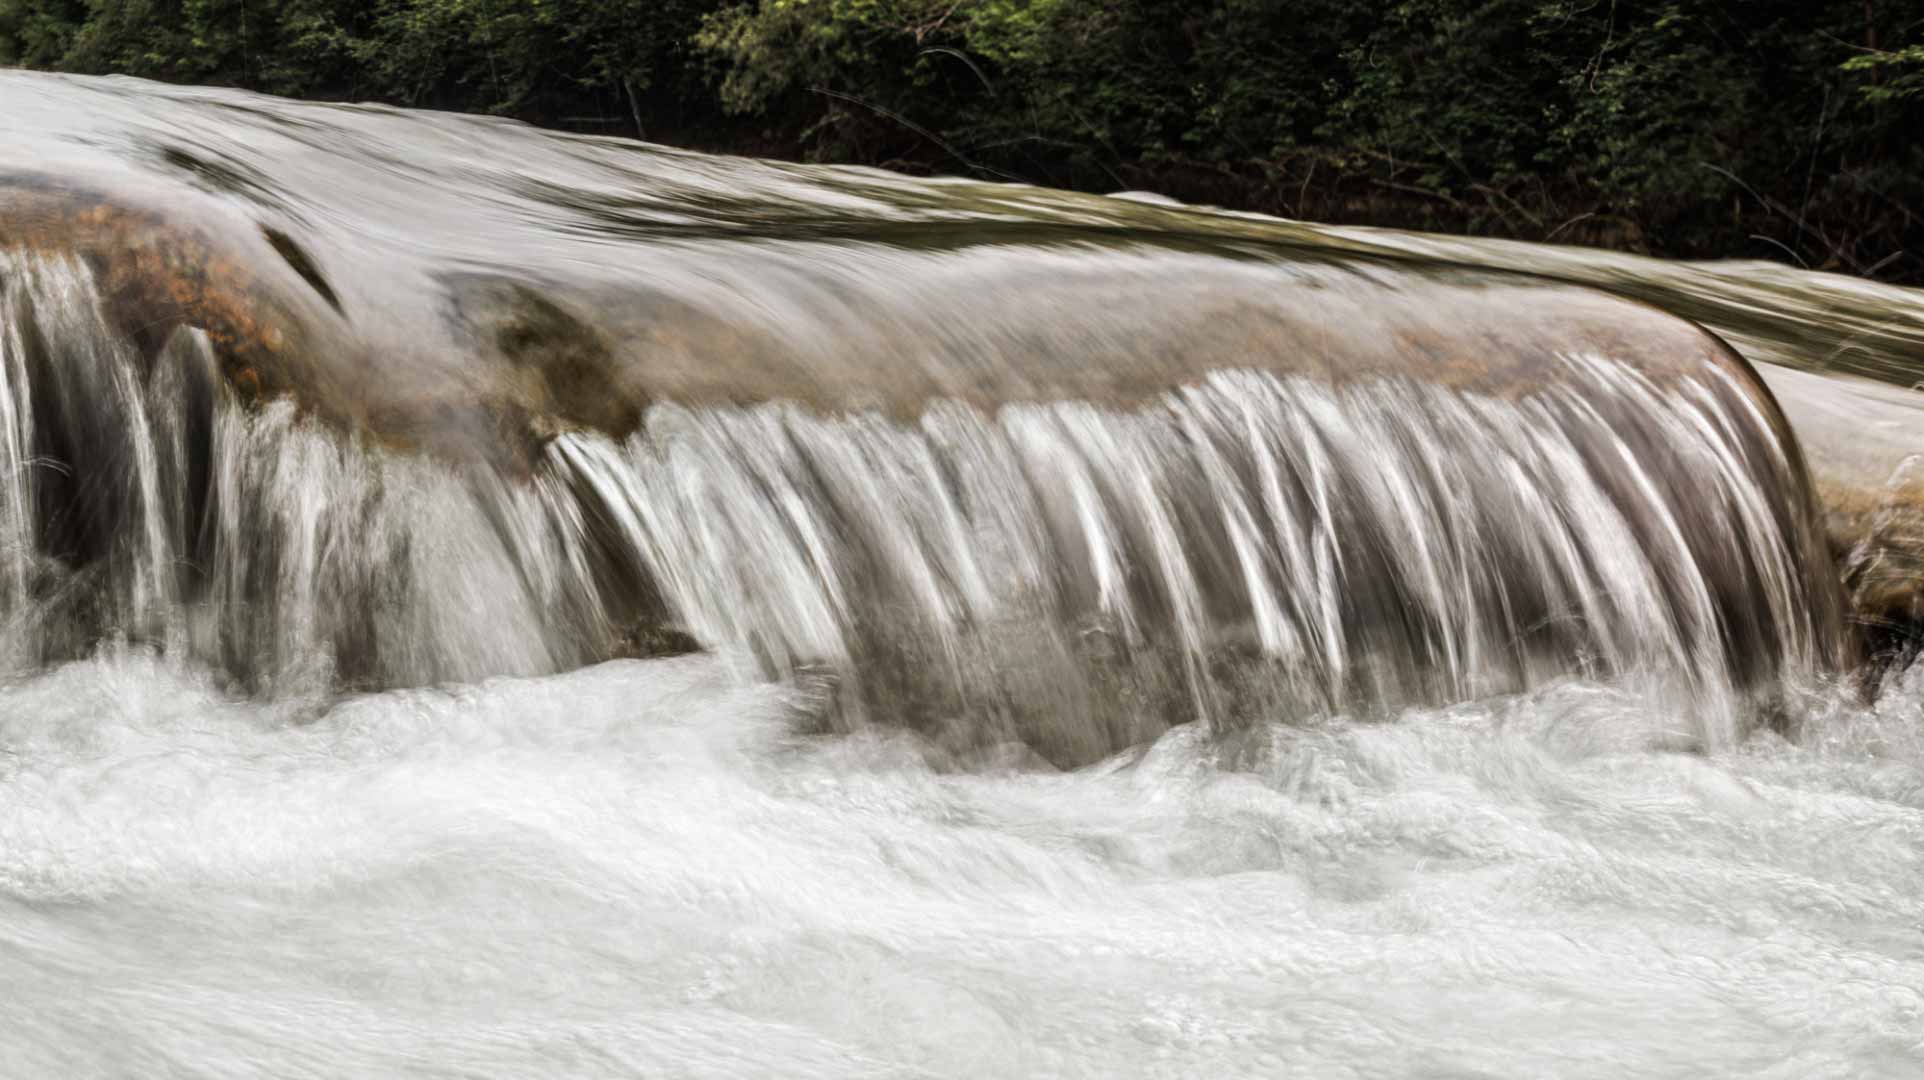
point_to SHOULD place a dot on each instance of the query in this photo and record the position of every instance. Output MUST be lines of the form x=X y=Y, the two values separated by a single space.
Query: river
x=1062 y=685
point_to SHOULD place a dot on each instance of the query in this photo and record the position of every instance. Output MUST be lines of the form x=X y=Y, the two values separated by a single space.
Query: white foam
x=636 y=869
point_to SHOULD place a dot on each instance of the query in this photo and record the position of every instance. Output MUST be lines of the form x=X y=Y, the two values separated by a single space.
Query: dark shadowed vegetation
x=1787 y=129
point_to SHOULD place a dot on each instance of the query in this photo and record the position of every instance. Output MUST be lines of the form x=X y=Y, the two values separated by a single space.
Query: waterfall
x=1065 y=575
x=1114 y=638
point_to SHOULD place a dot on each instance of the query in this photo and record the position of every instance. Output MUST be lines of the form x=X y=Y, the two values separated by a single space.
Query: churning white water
x=638 y=870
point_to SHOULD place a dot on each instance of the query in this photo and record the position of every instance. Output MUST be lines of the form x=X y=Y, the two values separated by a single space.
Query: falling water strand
x=1072 y=577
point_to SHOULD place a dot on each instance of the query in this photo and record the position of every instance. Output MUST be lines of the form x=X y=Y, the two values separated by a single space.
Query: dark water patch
x=220 y=175
x=302 y=263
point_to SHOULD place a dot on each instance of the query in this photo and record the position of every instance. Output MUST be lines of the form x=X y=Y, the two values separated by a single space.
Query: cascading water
x=142 y=502
x=1306 y=550
x=1134 y=641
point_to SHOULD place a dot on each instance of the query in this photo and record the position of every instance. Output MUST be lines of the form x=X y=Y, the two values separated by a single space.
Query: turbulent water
x=1108 y=662
x=639 y=870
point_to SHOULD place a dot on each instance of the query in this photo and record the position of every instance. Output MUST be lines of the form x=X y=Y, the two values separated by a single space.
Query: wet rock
x=1865 y=444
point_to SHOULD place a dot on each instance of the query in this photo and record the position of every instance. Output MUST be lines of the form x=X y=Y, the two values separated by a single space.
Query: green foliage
x=552 y=60
x=38 y=34
x=1692 y=127
x=1904 y=68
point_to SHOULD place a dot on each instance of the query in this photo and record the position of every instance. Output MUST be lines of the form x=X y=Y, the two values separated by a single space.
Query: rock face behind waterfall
x=369 y=397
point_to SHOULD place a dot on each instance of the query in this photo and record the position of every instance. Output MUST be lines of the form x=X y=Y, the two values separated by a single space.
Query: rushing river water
x=1127 y=640
x=639 y=870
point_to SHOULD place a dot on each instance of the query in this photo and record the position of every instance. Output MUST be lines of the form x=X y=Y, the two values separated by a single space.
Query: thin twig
x=1810 y=172
x=1506 y=197
x=634 y=107
x=1413 y=189
x=915 y=127
x=1567 y=224
x=1836 y=250
x=1786 y=249
x=1885 y=261
x=962 y=56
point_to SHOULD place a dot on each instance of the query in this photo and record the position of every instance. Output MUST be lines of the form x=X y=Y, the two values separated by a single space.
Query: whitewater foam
x=640 y=869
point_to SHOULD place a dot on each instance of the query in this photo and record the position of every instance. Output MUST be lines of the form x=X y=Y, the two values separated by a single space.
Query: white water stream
x=636 y=870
